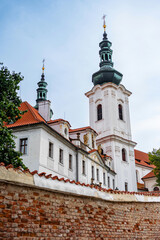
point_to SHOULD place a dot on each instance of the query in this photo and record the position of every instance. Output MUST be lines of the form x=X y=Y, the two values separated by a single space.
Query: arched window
x=40 y=95
x=123 y=154
x=99 y=112
x=106 y=57
x=120 y=111
x=65 y=131
x=155 y=189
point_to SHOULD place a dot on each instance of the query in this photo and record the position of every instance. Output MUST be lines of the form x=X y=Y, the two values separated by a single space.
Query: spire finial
x=104 y=22
x=43 y=66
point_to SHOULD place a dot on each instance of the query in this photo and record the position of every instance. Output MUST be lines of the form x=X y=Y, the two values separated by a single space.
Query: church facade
x=101 y=153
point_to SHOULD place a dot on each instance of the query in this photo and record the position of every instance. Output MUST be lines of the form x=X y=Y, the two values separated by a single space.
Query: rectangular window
x=104 y=178
x=97 y=174
x=113 y=184
x=61 y=156
x=108 y=182
x=50 y=150
x=83 y=167
x=92 y=172
x=23 y=145
x=70 y=161
x=126 y=186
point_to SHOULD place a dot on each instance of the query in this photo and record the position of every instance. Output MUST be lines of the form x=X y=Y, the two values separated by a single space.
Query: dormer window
x=99 y=112
x=65 y=131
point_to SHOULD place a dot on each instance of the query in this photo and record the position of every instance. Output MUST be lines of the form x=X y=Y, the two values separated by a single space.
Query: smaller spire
x=104 y=26
x=42 y=84
x=42 y=76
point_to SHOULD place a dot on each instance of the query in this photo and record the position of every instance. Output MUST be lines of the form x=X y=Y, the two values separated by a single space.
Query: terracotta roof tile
x=93 y=150
x=30 y=117
x=58 y=120
x=141 y=155
x=141 y=158
x=140 y=186
x=149 y=175
x=81 y=129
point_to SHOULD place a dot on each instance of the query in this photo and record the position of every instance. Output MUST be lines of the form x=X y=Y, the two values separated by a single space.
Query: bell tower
x=109 y=116
x=42 y=90
x=42 y=104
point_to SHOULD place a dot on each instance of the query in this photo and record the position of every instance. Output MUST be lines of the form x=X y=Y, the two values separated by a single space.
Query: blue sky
x=67 y=34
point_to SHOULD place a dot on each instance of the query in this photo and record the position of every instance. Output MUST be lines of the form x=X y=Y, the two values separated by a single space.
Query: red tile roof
x=141 y=158
x=47 y=176
x=93 y=150
x=30 y=117
x=81 y=129
x=58 y=120
x=149 y=175
x=140 y=186
x=141 y=155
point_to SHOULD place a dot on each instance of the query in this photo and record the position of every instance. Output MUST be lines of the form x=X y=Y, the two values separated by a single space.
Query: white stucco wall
x=37 y=157
x=31 y=159
x=114 y=134
x=150 y=183
x=53 y=164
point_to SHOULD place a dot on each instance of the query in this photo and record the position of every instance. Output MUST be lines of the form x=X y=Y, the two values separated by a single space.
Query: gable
x=96 y=157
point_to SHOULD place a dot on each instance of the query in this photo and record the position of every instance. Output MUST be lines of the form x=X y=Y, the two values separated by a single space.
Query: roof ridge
x=140 y=151
x=81 y=129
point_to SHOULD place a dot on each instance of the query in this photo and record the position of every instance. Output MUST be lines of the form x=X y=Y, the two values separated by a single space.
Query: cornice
x=118 y=138
x=106 y=85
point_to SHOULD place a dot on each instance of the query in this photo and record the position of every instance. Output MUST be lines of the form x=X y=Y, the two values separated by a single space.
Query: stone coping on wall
x=42 y=180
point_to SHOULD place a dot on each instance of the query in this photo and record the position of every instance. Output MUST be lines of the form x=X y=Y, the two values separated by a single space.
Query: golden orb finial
x=104 y=22
x=43 y=65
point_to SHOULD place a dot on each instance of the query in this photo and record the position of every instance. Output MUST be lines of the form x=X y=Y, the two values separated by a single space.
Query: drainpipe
x=77 y=177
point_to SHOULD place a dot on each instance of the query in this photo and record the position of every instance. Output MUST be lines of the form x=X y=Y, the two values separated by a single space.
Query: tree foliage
x=154 y=158
x=9 y=113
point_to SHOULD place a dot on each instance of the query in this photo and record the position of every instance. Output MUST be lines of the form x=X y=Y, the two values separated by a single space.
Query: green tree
x=154 y=158
x=9 y=113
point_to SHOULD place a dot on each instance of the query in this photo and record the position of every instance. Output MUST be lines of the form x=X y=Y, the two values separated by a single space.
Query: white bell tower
x=109 y=116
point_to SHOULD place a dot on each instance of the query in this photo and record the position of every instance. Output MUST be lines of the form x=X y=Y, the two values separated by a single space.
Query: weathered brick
x=31 y=213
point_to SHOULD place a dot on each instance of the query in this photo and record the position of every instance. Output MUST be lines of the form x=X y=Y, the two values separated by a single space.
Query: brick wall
x=29 y=212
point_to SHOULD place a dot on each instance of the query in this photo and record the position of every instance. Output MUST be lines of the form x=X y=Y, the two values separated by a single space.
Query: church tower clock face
x=109 y=116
